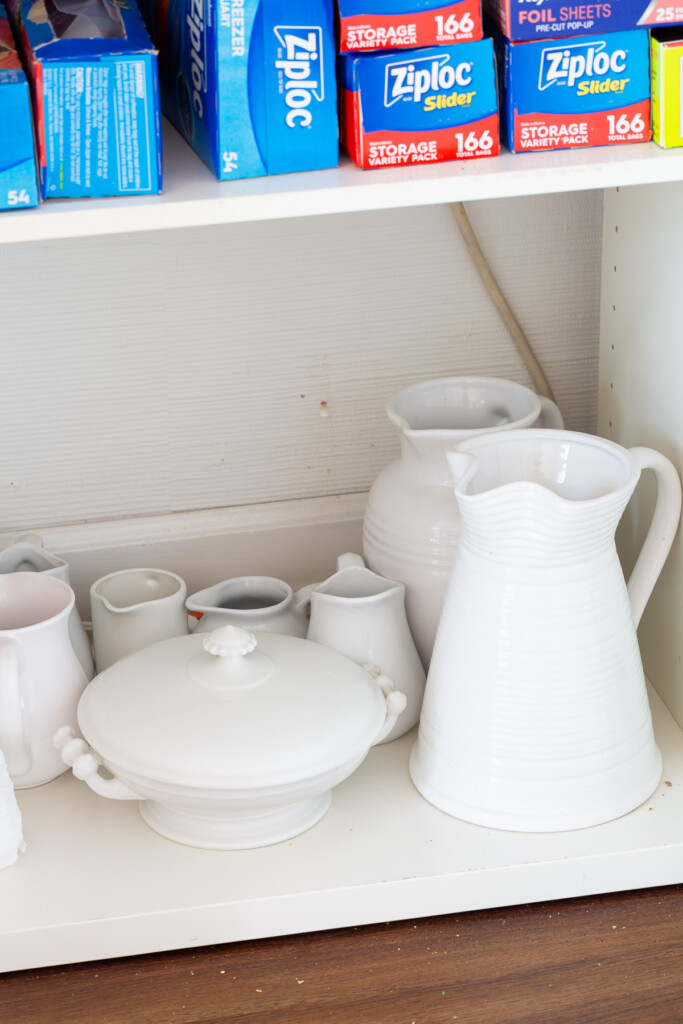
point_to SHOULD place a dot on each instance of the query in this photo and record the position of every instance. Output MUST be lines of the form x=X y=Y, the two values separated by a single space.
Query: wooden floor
x=616 y=959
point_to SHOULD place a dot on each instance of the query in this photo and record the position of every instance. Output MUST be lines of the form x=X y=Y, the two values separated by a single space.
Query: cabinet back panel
x=204 y=368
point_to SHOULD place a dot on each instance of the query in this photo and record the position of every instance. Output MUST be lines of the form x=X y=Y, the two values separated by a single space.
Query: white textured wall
x=211 y=367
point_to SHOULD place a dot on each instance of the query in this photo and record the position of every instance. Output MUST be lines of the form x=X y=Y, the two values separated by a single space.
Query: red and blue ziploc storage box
x=389 y=24
x=420 y=106
x=94 y=83
x=521 y=20
x=586 y=91
x=18 y=177
x=251 y=84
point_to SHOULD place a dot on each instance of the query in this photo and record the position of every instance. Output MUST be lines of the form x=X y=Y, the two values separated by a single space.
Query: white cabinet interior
x=220 y=368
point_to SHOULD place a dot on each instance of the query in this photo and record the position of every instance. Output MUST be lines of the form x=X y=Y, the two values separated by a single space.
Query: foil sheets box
x=18 y=176
x=250 y=84
x=94 y=83
x=549 y=19
x=588 y=91
x=667 y=88
x=420 y=106
x=387 y=24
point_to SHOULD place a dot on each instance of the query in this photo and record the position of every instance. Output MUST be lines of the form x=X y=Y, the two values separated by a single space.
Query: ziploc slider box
x=388 y=24
x=424 y=106
x=520 y=20
x=251 y=84
x=18 y=176
x=667 y=88
x=590 y=91
x=94 y=82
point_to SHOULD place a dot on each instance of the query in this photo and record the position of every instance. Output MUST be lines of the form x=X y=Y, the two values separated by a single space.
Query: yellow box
x=667 y=87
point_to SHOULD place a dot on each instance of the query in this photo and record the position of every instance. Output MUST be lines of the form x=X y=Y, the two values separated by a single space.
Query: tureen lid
x=227 y=710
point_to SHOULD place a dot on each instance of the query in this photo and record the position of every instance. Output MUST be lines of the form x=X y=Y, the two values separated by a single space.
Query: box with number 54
x=18 y=176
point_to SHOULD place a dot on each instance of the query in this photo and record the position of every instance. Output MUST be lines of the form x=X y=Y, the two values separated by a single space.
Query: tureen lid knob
x=229 y=642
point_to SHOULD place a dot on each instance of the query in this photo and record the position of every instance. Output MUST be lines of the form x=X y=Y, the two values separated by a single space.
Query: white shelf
x=192 y=196
x=96 y=882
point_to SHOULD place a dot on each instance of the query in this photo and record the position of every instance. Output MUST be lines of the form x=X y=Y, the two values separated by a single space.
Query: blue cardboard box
x=586 y=91
x=18 y=177
x=250 y=84
x=521 y=20
x=94 y=84
x=420 y=106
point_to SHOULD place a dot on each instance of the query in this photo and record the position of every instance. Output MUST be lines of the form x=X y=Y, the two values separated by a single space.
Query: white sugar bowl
x=228 y=742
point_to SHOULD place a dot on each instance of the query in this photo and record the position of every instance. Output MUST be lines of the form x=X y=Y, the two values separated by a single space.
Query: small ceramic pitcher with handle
x=362 y=615
x=27 y=554
x=252 y=602
x=134 y=608
x=41 y=677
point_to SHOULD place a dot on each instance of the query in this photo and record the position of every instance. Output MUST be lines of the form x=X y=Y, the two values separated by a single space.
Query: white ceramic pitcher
x=362 y=615
x=134 y=608
x=536 y=715
x=27 y=554
x=411 y=524
x=41 y=677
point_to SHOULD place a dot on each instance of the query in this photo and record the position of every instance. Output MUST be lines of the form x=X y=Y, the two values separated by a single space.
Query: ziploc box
x=667 y=88
x=419 y=107
x=520 y=20
x=251 y=84
x=18 y=175
x=389 y=24
x=94 y=81
x=589 y=91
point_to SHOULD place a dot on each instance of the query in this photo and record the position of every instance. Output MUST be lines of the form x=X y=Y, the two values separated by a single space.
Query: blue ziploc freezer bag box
x=251 y=84
x=420 y=106
x=521 y=20
x=587 y=91
x=389 y=24
x=94 y=84
x=18 y=174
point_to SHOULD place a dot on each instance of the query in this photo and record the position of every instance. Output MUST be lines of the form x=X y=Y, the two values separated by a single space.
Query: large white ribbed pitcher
x=536 y=715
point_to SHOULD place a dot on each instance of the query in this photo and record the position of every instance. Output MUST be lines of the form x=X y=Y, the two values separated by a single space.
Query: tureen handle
x=395 y=701
x=85 y=766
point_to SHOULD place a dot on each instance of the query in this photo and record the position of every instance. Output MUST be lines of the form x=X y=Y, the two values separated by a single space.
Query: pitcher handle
x=13 y=741
x=659 y=539
x=349 y=559
x=550 y=414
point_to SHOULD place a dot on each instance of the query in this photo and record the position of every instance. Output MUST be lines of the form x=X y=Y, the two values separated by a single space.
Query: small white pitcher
x=41 y=677
x=28 y=555
x=134 y=608
x=252 y=602
x=363 y=616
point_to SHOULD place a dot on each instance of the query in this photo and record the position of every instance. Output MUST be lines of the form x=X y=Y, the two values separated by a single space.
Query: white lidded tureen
x=229 y=743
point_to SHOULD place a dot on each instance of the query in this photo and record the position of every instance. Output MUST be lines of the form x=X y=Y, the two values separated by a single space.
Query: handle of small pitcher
x=659 y=539
x=396 y=702
x=550 y=414
x=348 y=559
x=13 y=741
x=85 y=765
x=31 y=538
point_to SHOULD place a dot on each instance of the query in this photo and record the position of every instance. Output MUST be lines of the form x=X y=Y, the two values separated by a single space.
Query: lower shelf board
x=96 y=882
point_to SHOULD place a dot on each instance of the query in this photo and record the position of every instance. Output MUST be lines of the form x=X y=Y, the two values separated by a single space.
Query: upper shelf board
x=193 y=197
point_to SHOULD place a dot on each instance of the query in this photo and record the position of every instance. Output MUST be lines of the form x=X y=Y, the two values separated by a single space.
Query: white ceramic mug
x=41 y=677
x=134 y=608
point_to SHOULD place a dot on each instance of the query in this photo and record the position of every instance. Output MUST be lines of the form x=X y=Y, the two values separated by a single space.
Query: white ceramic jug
x=252 y=602
x=411 y=524
x=27 y=554
x=134 y=608
x=41 y=677
x=536 y=715
x=362 y=615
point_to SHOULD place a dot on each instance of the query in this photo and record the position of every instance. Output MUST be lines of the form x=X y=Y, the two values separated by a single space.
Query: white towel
x=11 y=836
